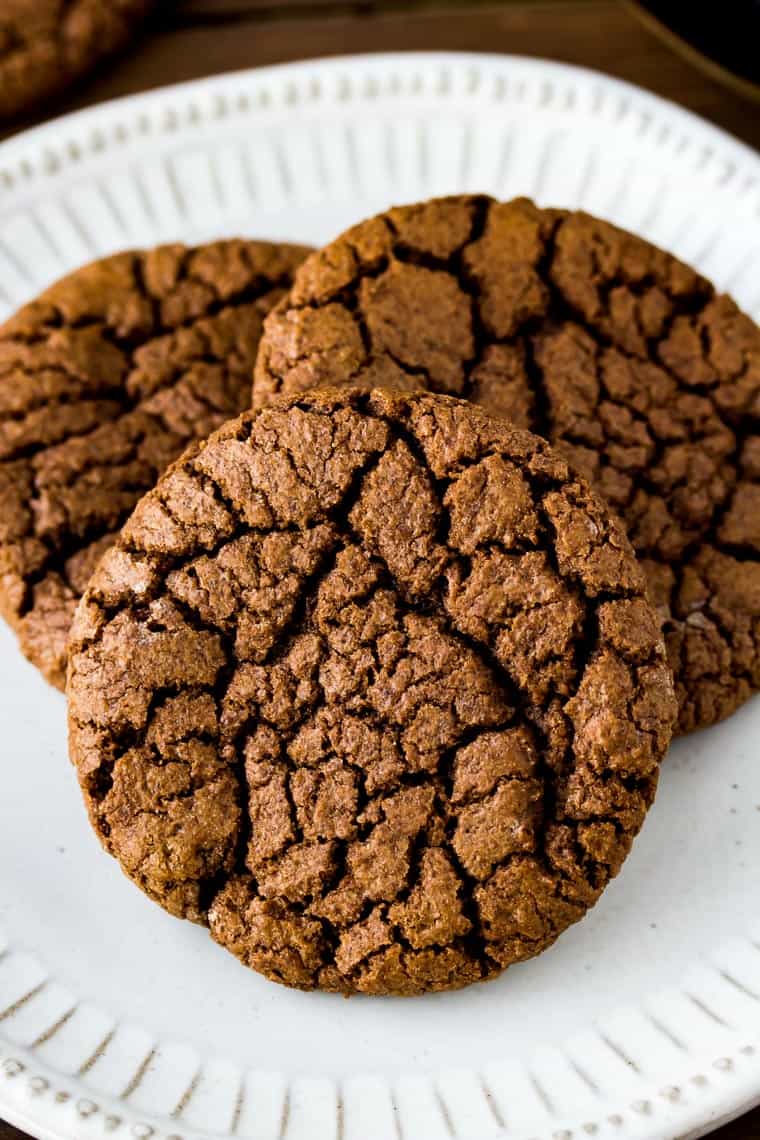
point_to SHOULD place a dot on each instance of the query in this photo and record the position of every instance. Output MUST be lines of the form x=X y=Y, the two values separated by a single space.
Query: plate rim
x=163 y=95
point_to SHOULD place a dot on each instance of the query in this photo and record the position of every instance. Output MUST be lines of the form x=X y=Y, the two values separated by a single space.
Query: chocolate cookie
x=610 y=348
x=104 y=380
x=47 y=44
x=369 y=683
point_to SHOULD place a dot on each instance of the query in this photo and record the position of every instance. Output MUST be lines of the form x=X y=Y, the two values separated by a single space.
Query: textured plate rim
x=176 y=99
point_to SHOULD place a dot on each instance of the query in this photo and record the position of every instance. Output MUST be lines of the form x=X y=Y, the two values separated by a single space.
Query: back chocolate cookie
x=618 y=353
x=104 y=380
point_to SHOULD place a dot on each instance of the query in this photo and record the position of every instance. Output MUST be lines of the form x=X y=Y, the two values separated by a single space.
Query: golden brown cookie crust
x=615 y=351
x=104 y=380
x=45 y=45
x=369 y=684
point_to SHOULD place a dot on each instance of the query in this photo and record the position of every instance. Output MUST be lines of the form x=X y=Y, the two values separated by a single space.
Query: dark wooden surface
x=191 y=38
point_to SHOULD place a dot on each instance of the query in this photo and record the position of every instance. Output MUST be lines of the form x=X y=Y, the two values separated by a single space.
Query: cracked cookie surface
x=616 y=352
x=104 y=380
x=369 y=684
x=45 y=45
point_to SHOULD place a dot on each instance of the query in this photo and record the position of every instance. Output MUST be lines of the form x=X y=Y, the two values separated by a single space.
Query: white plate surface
x=644 y=1020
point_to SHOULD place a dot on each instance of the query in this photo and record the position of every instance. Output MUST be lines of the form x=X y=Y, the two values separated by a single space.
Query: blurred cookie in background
x=46 y=45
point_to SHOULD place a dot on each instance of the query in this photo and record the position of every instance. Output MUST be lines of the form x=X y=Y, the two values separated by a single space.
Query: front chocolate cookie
x=104 y=380
x=613 y=350
x=369 y=683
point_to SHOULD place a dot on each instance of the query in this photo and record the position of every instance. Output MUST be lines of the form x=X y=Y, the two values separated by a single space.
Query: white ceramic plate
x=644 y=1020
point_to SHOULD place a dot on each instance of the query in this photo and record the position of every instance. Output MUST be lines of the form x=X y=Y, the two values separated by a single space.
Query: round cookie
x=104 y=380
x=610 y=348
x=45 y=45
x=369 y=683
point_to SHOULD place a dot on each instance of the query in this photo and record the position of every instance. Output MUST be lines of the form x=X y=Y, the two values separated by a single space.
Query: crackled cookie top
x=104 y=380
x=616 y=352
x=46 y=44
x=370 y=684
